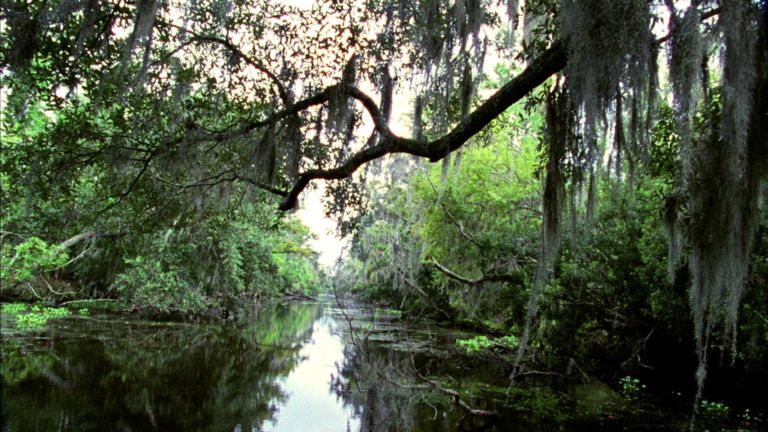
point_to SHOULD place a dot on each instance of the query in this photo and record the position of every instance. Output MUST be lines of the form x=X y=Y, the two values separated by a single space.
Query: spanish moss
x=685 y=59
x=608 y=43
x=556 y=133
x=717 y=181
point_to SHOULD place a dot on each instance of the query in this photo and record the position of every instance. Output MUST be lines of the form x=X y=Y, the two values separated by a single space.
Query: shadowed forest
x=554 y=212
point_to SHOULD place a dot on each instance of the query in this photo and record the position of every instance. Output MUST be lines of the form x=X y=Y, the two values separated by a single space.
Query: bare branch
x=704 y=16
x=128 y=191
x=261 y=185
x=457 y=223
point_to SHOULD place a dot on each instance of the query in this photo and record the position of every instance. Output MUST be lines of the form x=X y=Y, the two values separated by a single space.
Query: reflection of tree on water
x=392 y=385
x=367 y=381
x=150 y=376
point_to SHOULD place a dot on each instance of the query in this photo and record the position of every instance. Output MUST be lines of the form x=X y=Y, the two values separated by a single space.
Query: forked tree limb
x=550 y=62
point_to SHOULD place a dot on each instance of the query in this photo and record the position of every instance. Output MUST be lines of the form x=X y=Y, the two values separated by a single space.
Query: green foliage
x=31 y=257
x=146 y=284
x=631 y=387
x=714 y=410
x=479 y=344
x=247 y=254
x=149 y=137
x=31 y=317
x=129 y=166
x=538 y=402
x=474 y=223
x=160 y=246
x=609 y=294
x=14 y=308
x=31 y=321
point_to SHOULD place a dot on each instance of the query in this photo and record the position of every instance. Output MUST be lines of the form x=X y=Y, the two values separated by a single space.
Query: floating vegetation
x=32 y=317
x=482 y=343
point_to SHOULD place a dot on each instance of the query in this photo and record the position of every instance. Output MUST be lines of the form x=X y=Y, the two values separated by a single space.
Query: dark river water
x=287 y=367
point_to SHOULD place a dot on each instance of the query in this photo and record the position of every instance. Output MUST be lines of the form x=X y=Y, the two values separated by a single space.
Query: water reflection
x=103 y=373
x=310 y=404
x=289 y=368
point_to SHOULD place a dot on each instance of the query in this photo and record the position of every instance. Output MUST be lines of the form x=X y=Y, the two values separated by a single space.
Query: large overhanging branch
x=550 y=62
x=516 y=278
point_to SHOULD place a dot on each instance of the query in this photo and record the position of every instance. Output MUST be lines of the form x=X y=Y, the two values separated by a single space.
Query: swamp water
x=290 y=367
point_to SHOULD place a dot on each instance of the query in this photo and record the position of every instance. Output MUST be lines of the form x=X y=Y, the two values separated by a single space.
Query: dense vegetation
x=465 y=250
x=583 y=190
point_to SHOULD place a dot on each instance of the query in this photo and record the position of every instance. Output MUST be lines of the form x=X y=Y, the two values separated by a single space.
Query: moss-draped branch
x=550 y=62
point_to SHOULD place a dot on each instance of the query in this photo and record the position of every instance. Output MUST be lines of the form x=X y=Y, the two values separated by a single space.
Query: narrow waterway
x=286 y=367
x=310 y=403
x=271 y=371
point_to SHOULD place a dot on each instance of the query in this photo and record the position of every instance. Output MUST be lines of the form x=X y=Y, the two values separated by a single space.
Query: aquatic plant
x=31 y=321
x=631 y=387
x=714 y=410
x=482 y=343
x=14 y=308
x=32 y=317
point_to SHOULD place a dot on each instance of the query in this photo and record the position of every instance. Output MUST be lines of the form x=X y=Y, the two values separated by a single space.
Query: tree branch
x=77 y=239
x=261 y=185
x=130 y=187
x=458 y=224
x=552 y=61
x=506 y=277
x=284 y=94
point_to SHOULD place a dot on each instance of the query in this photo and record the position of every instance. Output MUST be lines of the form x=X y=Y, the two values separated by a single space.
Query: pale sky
x=312 y=214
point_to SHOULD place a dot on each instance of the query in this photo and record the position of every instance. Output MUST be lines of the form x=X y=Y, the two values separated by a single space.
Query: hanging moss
x=672 y=205
x=686 y=55
x=418 y=121
x=429 y=39
x=608 y=43
x=143 y=23
x=339 y=105
x=720 y=224
x=512 y=6
x=650 y=101
x=468 y=17
x=386 y=87
x=557 y=122
x=619 y=140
